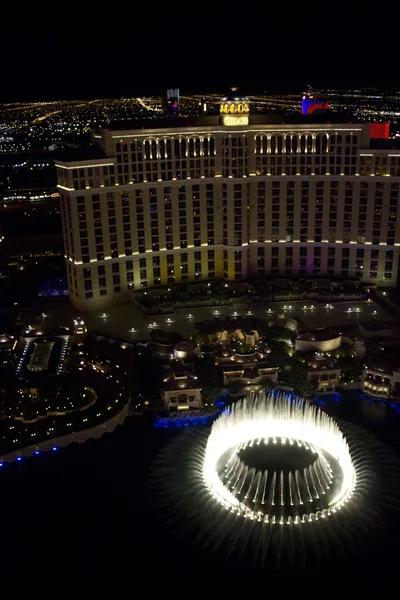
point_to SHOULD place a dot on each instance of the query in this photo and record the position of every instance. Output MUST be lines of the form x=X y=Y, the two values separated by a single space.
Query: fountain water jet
x=260 y=530
x=275 y=419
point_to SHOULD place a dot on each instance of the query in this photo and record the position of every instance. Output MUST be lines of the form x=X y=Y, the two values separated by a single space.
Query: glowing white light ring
x=261 y=418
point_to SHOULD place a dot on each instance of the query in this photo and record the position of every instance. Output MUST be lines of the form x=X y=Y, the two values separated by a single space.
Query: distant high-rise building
x=203 y=107
x=171 y=103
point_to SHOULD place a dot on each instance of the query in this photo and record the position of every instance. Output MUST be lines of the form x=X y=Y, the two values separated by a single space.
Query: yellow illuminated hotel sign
x=235 y=120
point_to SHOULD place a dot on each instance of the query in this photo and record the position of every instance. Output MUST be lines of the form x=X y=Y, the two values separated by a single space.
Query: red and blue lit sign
x=310 y=105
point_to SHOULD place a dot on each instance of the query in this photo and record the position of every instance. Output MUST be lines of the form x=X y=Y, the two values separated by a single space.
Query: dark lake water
x=80 y=518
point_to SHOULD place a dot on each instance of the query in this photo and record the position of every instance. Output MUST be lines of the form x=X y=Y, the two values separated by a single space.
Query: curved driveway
x=79 y=436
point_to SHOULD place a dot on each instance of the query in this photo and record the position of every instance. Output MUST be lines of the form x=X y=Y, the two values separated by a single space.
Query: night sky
x=148 y=48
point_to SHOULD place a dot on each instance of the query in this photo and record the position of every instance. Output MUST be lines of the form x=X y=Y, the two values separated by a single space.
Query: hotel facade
x=232 y=196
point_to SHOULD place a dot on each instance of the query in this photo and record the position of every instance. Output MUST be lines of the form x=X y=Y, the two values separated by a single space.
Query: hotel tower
x=229 y=196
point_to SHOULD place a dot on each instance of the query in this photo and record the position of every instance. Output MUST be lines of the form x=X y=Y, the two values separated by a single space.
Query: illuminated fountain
x=282 y=493
x=278 y=479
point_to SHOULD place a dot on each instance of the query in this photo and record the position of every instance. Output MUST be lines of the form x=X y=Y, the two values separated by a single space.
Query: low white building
x=322 y=340
x=181 y=391
x=380 y=381
x=325 y=371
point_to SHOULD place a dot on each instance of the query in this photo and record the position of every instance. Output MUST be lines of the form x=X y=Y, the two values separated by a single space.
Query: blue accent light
x=37 y=452
x=55 y=448
x=183 y=420
x=2 y=464
x=19 y=458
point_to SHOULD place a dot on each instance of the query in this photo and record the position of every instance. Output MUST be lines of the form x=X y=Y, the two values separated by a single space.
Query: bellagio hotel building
x=229 y=196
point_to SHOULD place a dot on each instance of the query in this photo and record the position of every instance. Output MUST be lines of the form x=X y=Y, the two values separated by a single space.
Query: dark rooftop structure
x=69 y=152
x=383 y=144
x=372 y=326
x=181 y=380
x=318 y=335
x=214 y=120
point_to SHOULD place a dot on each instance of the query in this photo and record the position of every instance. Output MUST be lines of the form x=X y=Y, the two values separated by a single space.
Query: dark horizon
x=246 y=87
x=143 y=51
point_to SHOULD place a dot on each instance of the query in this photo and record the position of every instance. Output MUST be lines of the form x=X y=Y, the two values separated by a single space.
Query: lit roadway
x=79 y=436
x=147 y=106
x=55 y=112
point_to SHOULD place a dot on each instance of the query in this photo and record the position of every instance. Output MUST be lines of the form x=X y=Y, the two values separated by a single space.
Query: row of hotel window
x=355 y=218
x=309 y=261
x=193 y=146
x=388 y=228
x=234 y=165
x=140 y=225
x=89 y=174
x=274 y=270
